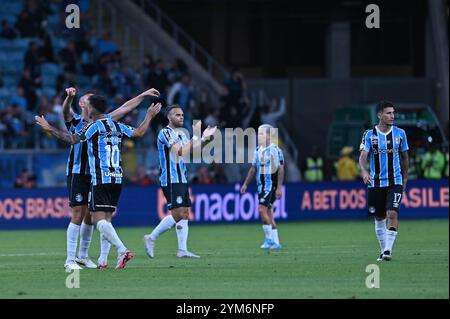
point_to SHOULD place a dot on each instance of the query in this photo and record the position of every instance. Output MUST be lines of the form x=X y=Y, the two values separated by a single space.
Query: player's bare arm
x=67 y=104
x=151 y=112
x=60 y=134
x=251 y=173
x=363 y=164
x=184 y=150
x=279 y=189
x=130 y=105
x=404 y=164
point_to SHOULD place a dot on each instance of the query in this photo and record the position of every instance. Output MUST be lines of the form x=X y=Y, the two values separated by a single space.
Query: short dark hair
x=170 y=108
x=384 y=104
x=98 y=102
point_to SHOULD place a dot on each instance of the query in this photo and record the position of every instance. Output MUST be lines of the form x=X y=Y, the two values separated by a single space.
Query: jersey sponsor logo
x=112 y=174
x=79 y=197
x=374 y=140
x=168 y=137
x=376 y=152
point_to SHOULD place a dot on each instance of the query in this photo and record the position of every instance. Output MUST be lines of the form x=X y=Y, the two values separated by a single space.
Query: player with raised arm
x=104 y=142
x=79 y=180
x=173 y=144
x=387 y=147
x=268 y=166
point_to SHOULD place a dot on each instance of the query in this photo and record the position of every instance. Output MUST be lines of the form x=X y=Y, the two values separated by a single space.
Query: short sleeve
x=280 y=156
x=166 y=137
x=403 y=142
x=87 y=132
x=365 y=142
x=73 y=122
x=275 y=157
x=126 y=129
x=255 y=156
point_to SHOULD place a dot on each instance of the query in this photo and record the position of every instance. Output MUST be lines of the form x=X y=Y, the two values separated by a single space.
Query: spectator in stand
x=415 y=169
x=142 y=177
x=217 y=173
x=106 y=45
x=313 y=166
x=346 y=168
x=157 y=78
x=29 y=85
x=19 y=99
x=8 y=32
x=68 y=58
x=272 y=115
x=182 y=94
x=176 y=71
x=236 y=87
x=16 y=124
x=125 y=81
x=33 y=59
x=26 y=180
x=433 y=162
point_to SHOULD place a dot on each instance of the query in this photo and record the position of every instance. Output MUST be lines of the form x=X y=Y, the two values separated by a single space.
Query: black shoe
x=387 y=255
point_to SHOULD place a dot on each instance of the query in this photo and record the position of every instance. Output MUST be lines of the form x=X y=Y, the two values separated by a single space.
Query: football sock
x=164 y=225
x=390 y=239
x=275 y=236
x=110 y=234
x=105 y=246
x=72 y=240
x=267 y=231
x=85 y=239
x=182 y=234
x=380 y=231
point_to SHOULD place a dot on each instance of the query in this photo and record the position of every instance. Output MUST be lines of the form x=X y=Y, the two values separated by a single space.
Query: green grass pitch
x=319 y=260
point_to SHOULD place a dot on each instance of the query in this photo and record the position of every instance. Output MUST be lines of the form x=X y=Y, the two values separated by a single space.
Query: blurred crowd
x=91 y=61
x=433 y=164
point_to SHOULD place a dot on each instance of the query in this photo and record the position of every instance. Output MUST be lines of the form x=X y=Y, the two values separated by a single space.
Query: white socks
x=380 y=231
x=390 y=239
x=105 y=246
x=72 y=240
x=267 y=231
x=85 y=239
x=275 y=236
x=108 y=231
x=182 y=234
x=164 y=225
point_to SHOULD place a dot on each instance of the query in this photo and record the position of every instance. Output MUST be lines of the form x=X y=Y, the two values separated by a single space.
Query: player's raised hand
x=243 y=189
x=42 y=122
x=152 y=92
x=71 y=91
x=154 y=109
x=209 y=131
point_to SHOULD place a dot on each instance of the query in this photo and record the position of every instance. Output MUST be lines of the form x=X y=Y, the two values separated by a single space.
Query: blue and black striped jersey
x=267 y=161
x=77 y=162
x=104 y=141
x=172 y=166
x=384 y=148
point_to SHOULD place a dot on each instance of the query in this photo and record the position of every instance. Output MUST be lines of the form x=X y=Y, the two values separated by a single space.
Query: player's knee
x=77 y=215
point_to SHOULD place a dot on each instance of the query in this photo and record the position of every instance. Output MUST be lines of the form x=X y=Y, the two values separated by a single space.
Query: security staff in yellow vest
x=433 y=163
x=415 y=169
x=314 y=167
